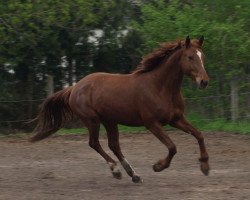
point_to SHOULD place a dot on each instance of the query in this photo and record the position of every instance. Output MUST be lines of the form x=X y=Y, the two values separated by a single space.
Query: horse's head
x=192 y=62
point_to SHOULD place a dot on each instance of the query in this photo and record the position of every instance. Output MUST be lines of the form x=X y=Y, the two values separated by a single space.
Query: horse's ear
x=201 y=40
x=187 y=42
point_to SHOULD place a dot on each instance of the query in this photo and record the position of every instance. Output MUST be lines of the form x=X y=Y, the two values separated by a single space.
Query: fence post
x=50 y=85
x=234 y=100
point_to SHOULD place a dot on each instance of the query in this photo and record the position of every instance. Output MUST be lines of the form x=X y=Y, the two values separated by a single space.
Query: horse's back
x=97 y=82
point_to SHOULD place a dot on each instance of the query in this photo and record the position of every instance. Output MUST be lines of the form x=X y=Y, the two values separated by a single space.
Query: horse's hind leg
x=158 y=131
x=94 y=127
x=113 y=142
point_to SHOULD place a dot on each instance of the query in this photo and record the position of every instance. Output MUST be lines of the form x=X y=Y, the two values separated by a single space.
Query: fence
x=198 y=108
x=222 y=106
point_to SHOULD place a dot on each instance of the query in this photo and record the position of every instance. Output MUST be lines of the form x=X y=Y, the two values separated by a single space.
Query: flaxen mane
x=152 y=60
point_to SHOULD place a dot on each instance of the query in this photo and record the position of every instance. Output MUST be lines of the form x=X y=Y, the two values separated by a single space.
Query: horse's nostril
x=203 y=84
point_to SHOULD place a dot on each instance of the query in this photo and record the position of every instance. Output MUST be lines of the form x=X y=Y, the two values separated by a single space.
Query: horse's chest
x=171 y=111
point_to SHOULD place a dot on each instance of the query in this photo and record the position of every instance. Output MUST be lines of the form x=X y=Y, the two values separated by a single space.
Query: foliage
x=227 y=42
x=70 y=39
x=40 y=38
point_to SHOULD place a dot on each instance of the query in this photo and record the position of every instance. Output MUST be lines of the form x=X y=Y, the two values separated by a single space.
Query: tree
x=225 y=26
x=41 y=38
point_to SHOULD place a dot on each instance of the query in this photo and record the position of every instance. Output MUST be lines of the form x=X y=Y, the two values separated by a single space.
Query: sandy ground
x=65 y=167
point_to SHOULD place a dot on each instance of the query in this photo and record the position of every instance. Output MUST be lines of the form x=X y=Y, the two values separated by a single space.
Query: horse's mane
x=152 y=60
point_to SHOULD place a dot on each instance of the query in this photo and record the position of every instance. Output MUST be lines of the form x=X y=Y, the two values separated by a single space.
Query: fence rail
x=246 y=116
x=203 y=97
x=24 y=100
x=217 y=96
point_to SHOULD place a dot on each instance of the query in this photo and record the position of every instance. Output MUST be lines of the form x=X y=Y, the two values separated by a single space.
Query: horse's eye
x=190 y=58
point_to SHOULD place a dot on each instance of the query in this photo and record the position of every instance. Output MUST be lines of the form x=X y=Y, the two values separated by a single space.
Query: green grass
x=239 y=127
x=122 y=129
x=197 y=121
x=242 y=127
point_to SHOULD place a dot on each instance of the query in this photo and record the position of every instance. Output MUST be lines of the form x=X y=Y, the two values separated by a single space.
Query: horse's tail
x=54 y=112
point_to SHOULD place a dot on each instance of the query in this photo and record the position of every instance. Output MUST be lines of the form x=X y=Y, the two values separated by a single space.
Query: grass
x=239 y=127
x=200 y=123
x=242 y=127
x=122 y=129
x=196 y=121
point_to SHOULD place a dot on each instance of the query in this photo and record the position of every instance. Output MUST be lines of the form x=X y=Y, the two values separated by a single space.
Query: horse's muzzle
x=203 y=84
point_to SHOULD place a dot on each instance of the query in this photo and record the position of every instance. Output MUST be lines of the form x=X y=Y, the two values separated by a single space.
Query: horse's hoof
x=117 y=174
x=157 y=167
x=137 y=179
x=205 y=168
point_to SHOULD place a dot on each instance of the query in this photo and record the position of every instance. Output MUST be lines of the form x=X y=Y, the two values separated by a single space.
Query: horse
x=150 y=96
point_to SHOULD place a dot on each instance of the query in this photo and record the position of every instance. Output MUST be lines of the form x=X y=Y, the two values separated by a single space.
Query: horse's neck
x=168 y=77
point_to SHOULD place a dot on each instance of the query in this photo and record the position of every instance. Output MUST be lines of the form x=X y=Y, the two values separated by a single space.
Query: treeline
x=69 y=39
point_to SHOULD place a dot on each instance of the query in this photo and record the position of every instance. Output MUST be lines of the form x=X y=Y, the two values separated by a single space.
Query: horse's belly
x=120 y=115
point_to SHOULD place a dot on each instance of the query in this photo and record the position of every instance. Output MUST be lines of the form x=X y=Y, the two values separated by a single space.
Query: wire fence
x=215 y=106
x=217 y=96
x=192 y=98
x=24 y=100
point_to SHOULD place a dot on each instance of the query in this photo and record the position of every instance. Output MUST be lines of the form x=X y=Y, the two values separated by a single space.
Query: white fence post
x=234 y=100
x=50 y=85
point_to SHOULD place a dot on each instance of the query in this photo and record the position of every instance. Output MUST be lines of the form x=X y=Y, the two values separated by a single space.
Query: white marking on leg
x=131 y=172
x=113 y=166
x=127 y=167
x=115 y=170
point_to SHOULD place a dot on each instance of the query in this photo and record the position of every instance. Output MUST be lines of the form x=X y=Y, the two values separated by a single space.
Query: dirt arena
x=65 y=167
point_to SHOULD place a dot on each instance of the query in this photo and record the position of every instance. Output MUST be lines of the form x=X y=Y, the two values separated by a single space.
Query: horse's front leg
x=184 y=125
x=158 y=131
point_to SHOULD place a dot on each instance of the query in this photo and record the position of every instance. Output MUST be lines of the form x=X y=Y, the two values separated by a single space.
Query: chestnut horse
x=150 y=96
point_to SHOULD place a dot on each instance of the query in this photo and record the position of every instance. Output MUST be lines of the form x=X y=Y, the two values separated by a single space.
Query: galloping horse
x=150 y=96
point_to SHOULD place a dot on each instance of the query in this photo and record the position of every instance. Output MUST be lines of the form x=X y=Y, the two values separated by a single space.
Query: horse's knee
x=200 y=139
x=94 y=144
